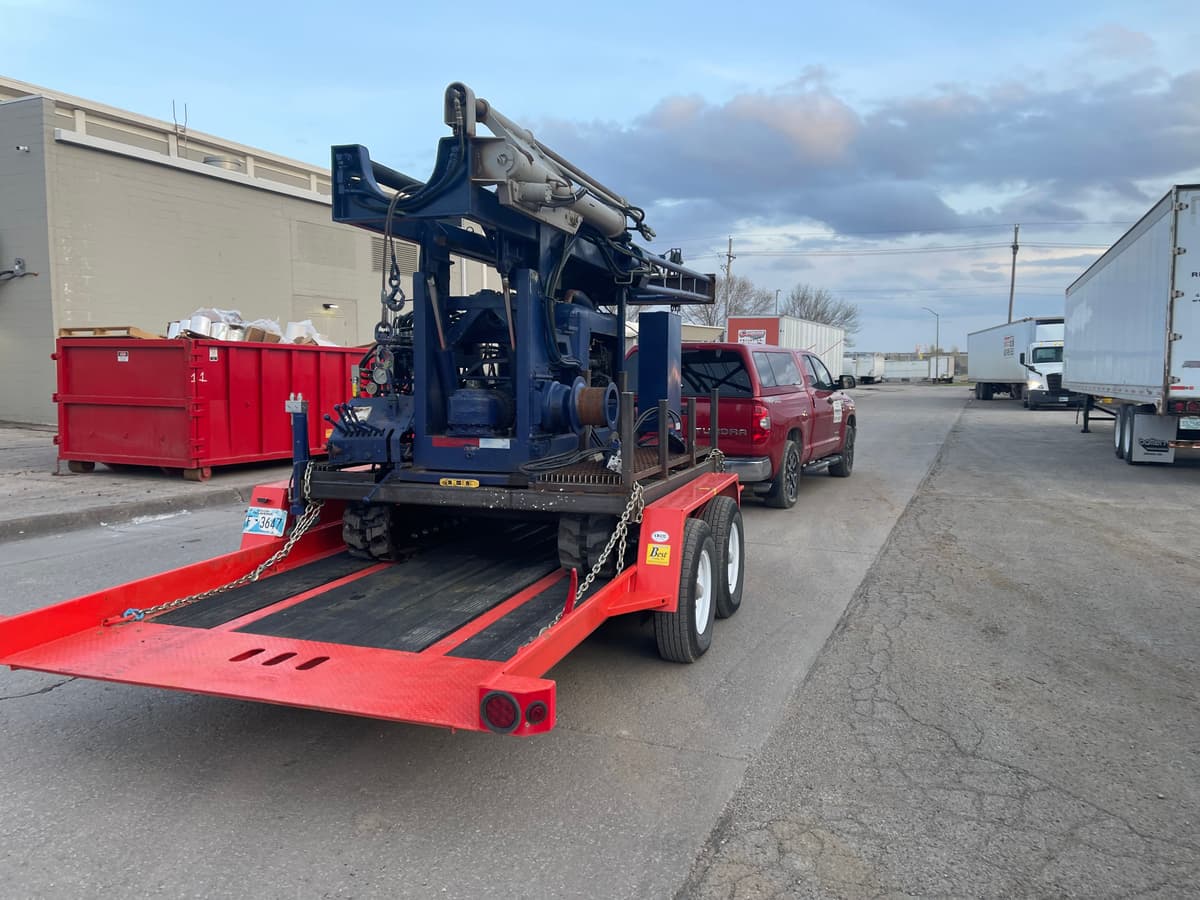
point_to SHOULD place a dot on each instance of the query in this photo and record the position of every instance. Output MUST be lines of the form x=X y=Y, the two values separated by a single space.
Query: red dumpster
x=190 y=404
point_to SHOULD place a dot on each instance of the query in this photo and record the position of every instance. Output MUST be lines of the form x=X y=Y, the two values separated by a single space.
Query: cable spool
x=598 y=406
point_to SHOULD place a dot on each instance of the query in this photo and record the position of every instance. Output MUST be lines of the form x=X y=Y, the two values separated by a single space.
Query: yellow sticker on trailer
x=459 y=482
x=658 y=554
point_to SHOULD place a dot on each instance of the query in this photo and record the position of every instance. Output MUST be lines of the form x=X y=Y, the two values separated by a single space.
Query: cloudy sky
x=881 y=150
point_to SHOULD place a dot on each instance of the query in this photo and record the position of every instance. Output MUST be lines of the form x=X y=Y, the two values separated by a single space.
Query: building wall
x=129 y=225
x=142 y=244
x=26 y=312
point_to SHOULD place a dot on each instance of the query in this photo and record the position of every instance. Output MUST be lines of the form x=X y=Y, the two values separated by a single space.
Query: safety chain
x=306 y=520
x=719 y=457
x=632 y=513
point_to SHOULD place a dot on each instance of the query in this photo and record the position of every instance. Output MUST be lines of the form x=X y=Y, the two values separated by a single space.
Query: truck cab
x=1043 y=360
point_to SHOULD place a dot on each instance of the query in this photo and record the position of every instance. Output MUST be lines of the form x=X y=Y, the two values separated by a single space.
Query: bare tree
x=736 y=296
x=819 y=305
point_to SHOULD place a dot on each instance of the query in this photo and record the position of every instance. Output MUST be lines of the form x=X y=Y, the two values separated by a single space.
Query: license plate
x=263 y=520
x=1189 y=423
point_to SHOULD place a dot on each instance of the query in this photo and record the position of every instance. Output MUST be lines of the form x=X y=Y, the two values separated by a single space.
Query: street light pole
x=776 y=301
x=937 y=339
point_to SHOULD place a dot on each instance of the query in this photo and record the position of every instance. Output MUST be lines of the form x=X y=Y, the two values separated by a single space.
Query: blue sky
x=796 y=128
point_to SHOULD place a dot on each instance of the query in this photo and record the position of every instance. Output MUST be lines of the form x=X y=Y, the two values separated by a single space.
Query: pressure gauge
x=371 y=389
x=379 y=375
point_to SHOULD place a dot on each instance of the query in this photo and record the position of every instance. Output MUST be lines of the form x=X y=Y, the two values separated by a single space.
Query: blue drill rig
x=508 y=400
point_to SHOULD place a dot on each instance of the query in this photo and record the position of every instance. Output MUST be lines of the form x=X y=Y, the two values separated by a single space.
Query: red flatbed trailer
x=459 y=635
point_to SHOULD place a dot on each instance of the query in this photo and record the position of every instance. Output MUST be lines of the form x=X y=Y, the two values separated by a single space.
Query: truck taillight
x=1184 y=406
x=760 y=429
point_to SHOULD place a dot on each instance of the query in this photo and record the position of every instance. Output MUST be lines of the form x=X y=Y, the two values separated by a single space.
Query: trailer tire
x=845 y=465
x=785 y=489
x=987 y=392
x=581 y=540
x=1119 y=433
x=1128 y=433
x=724 y=519
x=685 y=635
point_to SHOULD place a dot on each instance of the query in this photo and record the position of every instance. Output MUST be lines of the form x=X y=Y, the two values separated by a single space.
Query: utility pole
x=776 y=301
x=937 y=340
x=728 y=267
x=1012 y=280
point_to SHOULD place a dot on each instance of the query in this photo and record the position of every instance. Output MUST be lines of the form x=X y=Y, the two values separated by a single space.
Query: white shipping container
x=1133 y=318
x=865 y=367
x=906 y=369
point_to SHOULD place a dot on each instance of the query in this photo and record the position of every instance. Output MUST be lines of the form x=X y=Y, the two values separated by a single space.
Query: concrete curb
x=119 y=512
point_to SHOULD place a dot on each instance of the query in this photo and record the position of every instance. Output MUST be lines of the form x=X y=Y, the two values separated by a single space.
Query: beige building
x=129 y=220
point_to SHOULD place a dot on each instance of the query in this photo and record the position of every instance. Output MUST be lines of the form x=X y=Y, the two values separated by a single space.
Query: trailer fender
x=661 y=546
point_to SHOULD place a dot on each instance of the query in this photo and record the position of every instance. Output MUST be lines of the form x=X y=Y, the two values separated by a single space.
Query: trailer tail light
x=500 y=712
x=760 y=427
x=536 y=713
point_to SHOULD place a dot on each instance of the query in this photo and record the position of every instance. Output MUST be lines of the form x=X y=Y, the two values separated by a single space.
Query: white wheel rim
x=704 y=579
x=733 y=567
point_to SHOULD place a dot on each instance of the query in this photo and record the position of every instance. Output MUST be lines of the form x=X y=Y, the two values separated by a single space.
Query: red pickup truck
x=781 y=413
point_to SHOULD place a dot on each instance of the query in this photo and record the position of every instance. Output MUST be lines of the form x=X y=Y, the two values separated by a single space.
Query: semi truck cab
x=1044 y=363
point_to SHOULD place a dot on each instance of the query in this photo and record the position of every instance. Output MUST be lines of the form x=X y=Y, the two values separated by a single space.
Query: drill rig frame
x=506 y=399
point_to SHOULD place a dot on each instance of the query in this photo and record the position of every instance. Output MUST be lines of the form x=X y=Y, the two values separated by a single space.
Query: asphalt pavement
x=1009 y=707
x=116 y=790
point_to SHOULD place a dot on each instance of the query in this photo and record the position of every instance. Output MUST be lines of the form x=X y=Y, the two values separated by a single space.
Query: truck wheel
x=581 y=540
x=725 y=520
x=785 y=489
x=1119 y=433
x=368 y=530
x=987 y=392
x=978 y=391
x=684 y=635
x=844 y=466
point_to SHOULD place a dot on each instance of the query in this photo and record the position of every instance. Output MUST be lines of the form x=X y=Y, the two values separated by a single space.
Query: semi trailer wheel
x=1129 y=435
x=684 y=635
x=729 y=538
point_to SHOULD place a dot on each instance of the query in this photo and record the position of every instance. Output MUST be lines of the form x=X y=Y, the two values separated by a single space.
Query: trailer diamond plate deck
x=472 y=615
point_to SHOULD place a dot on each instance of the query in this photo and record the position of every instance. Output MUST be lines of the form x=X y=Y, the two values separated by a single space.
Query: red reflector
x=1193 y=406
x=500 y=712
x=536 y=713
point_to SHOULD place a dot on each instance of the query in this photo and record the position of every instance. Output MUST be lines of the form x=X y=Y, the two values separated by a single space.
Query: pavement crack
x=45 y=690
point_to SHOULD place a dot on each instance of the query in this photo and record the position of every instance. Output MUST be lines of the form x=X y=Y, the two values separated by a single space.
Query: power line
x=904 y=251
x=931 y=230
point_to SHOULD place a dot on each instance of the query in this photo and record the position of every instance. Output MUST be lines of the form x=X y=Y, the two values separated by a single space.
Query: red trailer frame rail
x=459 y=635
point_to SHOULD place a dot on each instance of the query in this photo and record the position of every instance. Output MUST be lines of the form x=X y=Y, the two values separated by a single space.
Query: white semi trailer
x=1133 y=333
x=867 y=368
x=1023 y=359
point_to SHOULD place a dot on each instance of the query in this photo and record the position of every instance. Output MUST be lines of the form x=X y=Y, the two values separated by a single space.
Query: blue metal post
x=297 y=407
